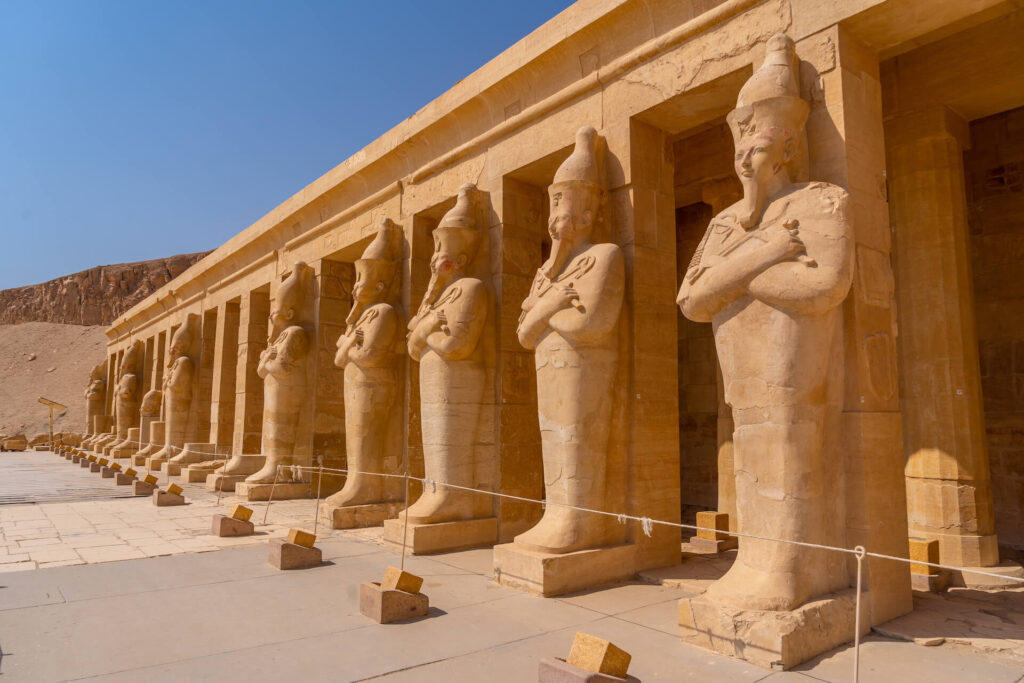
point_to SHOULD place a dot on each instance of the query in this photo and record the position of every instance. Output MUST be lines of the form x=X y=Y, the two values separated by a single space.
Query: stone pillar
x=719 y=195
x=521 y=209
x=332 y=303
x=225 y=367
x=642 y=220
x=203 y=384
x=840 y=80
x=252 y=339
x=947 y=471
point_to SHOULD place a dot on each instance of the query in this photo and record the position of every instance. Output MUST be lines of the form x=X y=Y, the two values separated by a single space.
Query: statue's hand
x=358 y=336
x=785 y=244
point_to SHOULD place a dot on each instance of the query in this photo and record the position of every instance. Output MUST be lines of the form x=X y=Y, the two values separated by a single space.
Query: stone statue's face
x=449 y=255
x=572 y=214
x=759 y=159
x=368 y=285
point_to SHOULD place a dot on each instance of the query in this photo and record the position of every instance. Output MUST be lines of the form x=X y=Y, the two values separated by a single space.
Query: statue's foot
x=745 y=587
x=270 y=474
x=562 y=531
x=356 y=492
x=435 y=507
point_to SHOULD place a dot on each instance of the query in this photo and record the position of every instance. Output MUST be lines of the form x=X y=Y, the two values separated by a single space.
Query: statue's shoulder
x=604 y=251
x=471 y=286
x=381 y=311
x=821 y=204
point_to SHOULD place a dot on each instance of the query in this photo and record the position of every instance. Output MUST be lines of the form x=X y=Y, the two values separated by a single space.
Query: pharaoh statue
x=770 y=275
x=570 y=320
x=149 y=412
x=369 y=352
x=126 y=393
x=283 y=367
x=445 y=337
x=95 y=395
x=177 y=389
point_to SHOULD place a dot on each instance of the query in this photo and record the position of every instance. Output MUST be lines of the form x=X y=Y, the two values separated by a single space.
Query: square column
x=947 y=469
x=252 y=340
x=225 y=368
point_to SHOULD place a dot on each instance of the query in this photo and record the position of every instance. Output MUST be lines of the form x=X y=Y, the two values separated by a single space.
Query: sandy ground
x=64 y=356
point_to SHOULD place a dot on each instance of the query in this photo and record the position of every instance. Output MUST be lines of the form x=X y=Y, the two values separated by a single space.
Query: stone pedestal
x=243 y=466
x=423 y=539
x=557 y=670
x=75 y=459
x=157 y=436
x=84 y=462
x=170 y=469
x=359 y=516
x=194 y=453
x=1011 y=570
x=385 y=606
x=95 y=467
x=197 y=474
x=285 y=555
x=229 y=526
x=255 y=492
x=128 y=447
x=930 y=583
x=142 y=488
x=167 y=499
x=123 y=479
x=775 y=640
x=107 y=472
x=548 y=574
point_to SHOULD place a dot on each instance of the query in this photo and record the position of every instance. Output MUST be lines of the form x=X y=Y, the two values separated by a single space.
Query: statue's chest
x=575 y=272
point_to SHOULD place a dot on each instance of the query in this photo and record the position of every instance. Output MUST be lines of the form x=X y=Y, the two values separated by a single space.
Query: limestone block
x=924 y=550
x=285 y=555
x=115 y=466
x=359 y=516
x=772 y=639
x=255 y=491
x=103 y=462
x=591 y=653
x=557 y=670
x=396 y=579
x=167 y=499
x=549 y=574
x=930 y=583
x=143 y=488
x=715 y=541
x=95 y=467
x=130 y=472
x=150 y=479
x=385 y=605
x=122 y=479
x=175 y=489
x=241 y=513
x=107 y=473
x=300 y=537
x=423 y=539
x=229 y=526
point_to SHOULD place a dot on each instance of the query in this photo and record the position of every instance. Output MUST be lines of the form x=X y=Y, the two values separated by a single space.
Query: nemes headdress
x=770 y=99
x=580 y=168
x=460 y=222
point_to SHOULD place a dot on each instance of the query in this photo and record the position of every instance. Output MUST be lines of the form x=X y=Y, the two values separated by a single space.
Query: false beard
x=560 y=252
x=751 y=206
x=353 y=316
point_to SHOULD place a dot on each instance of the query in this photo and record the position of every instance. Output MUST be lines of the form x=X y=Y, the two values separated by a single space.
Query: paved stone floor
x=181 y=613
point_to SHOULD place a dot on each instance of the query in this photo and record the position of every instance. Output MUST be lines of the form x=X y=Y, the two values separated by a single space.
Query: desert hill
x=91 y=297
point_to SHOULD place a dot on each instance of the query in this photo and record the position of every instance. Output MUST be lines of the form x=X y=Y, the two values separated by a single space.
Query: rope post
x=270 y=500
x=860 y=552
x=405 y=518
x=319 y=481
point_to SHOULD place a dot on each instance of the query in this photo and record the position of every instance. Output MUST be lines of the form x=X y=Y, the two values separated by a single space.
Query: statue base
x=359 y=516
x=1011 y=570
x=197 y=474
x=154 y=464
x=385 y=606
x=550 y=574
x=245 y=465
x=423 y=539
x=171 y=469
x=286 y=491
x=930 y=583
x=125 y=450
x=224 y=482
x=774 y=640
x=708 y=546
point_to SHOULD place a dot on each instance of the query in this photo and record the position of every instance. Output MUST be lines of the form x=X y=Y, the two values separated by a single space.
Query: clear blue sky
x=136 y=129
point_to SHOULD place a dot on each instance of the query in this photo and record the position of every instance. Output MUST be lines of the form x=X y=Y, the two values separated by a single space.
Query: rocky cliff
x=92 y=297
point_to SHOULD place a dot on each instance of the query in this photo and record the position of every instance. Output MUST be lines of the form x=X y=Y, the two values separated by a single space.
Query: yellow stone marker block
x=924 y=550
x=397 y=580
x=104 y=462
x=150 y=479
x=300 y=537
x=591 y=653
x=91 y=458
x=175 y=489
x=240 y=512
x=130 y=472
x=713 y=520
x=115 y=466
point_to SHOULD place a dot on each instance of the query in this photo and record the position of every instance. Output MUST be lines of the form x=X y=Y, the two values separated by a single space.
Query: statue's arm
x=378 y=338
x=425 y=324
x=465 y=324
x=599 y=303
x=290 y=350
x=807 y=286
